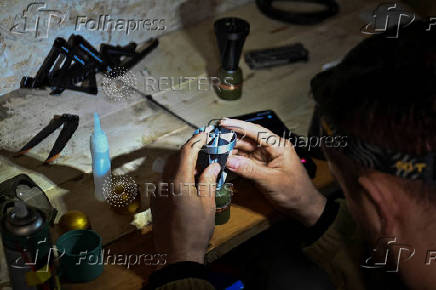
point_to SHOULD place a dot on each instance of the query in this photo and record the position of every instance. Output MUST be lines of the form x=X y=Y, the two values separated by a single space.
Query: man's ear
x=383 y=198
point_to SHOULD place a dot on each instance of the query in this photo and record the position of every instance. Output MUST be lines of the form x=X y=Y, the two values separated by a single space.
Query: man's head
x=384 y=93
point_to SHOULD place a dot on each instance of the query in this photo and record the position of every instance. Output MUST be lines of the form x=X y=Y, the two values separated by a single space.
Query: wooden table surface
x=142 y=137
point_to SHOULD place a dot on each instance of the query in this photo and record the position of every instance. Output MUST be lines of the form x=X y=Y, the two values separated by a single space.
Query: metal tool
x=271 y=57
x=73 y=64
x=156 y=103
x=230 y=34
x=70 y=124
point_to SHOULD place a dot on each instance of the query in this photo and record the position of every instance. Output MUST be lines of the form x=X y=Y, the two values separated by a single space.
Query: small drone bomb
x=219 y=145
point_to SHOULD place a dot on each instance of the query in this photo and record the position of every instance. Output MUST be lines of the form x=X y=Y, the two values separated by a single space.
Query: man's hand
x=276 y=169
x=184 y=218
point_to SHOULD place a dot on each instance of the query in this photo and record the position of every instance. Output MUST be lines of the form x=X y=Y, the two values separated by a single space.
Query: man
x=383 y=98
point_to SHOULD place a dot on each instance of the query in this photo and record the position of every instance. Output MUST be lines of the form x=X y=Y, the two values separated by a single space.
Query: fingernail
x=233 y=162
x=224 y=120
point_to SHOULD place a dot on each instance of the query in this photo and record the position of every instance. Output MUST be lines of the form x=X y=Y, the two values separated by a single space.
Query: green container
x=230 y=84
x=81 y=255
x=223 y=199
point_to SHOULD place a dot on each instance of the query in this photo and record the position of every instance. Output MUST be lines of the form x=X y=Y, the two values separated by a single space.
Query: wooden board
x=250 y=215
x=139 y=134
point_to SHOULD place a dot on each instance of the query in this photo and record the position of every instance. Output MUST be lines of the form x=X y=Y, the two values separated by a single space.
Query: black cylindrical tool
x=230 y=34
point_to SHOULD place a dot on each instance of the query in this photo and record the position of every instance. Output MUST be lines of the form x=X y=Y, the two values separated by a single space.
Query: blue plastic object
x=101 y=162
x=220 y=143
x=237 y=285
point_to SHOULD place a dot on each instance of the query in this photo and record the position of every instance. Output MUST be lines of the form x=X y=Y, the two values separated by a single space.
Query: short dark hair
x=384 y=90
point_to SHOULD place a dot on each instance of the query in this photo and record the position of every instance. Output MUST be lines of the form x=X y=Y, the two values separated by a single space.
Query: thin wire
x=154 y=102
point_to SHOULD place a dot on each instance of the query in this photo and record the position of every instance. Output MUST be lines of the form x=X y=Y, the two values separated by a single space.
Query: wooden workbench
x=142 y=137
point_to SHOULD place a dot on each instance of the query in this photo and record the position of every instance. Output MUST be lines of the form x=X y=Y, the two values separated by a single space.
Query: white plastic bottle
x=101 y=162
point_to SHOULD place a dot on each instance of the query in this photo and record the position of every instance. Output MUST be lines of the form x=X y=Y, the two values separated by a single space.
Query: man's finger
x=247 y=129
x=260 y=135
x=207 y=181
x=189 y=153
x=247 y=168
x=246 y=145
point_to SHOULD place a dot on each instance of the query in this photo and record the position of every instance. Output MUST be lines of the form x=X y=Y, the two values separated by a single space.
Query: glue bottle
x=101 y=163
